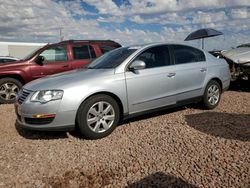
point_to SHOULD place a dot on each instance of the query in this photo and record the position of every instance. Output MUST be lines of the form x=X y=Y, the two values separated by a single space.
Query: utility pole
x=61 y=36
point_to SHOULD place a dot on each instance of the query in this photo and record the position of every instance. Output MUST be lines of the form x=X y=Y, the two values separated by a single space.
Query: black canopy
x=203 y=33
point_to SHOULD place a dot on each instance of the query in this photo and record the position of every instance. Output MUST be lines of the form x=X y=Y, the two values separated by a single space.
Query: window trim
x=89 y=47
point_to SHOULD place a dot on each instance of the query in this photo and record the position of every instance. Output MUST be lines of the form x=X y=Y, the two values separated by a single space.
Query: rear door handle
x=64 y=66
x=203 y=69
x=170 y=75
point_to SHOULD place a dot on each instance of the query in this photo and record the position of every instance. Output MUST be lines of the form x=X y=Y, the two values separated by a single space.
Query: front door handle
x=203 y=69
x=170 y=75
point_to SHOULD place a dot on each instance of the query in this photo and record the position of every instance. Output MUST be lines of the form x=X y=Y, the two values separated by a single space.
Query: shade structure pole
x=202 y=43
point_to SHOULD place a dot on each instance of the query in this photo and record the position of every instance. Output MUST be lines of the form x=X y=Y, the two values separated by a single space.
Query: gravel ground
x=183 y=147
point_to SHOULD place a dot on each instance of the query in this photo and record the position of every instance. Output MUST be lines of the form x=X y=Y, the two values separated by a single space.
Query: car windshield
x=31 y=54
x=111 y=59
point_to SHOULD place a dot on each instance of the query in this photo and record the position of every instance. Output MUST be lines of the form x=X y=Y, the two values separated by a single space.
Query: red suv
x=50 y=59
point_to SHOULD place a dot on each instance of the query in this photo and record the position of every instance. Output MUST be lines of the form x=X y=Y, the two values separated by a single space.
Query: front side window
x=155 y=57
x=83 y=52
x=55 y=53
x=32 y=54
x=187 y=54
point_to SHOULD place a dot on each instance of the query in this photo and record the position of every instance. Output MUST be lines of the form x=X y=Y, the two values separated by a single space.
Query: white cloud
x=113 y=19
x=240 y=13
x=209 y=17
x=160 y=6
x=105 y=7
x=41 y=20
x=75 y=8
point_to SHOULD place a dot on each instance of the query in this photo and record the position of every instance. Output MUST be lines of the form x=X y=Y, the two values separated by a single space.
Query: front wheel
x=98 y=116
x=212 y=95
x=9 y=87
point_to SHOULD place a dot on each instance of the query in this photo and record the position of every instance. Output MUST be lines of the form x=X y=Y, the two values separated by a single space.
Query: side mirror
x=137 y=65
x=39 y=60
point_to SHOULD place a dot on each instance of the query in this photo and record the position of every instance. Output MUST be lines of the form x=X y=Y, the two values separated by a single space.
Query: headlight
x=46 y=96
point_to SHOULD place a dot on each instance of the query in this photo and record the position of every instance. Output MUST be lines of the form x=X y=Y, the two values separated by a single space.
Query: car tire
x=98 y=116
x=9 y=87
x=212 y=95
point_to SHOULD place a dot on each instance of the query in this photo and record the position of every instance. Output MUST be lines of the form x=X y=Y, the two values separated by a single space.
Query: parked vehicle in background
x=238 y=60
x=5 y=59
x=50 y=59
x=122 y=83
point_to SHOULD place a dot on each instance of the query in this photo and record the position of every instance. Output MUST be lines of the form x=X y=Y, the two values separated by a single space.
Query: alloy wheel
x=100 y=116
x=213 y=94
x=8 y=91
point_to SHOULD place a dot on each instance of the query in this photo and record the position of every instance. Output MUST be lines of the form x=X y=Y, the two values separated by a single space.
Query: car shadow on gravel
x=160 y=179
x=242 y=85
x=37 y=135
x=157 y=112
x=224 y=125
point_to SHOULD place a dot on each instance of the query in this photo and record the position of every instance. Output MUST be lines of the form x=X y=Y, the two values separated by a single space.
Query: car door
x=190 y=66
x=82 y=55
x=55 y=61
x=153 y=86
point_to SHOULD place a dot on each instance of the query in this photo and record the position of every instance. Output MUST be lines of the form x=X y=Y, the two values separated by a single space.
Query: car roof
x=88 y=41
x=140 y=46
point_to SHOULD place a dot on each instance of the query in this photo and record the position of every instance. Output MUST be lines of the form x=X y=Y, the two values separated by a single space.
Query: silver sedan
x=122 y=83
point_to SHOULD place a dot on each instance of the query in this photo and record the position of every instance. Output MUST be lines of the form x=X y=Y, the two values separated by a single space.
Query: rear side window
x=155 y=57
x=55 y=53
x=187 y=54
x=105 y=49
x=83 y=52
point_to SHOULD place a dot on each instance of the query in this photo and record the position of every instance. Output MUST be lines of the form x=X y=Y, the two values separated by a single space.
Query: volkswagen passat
x=124 y=82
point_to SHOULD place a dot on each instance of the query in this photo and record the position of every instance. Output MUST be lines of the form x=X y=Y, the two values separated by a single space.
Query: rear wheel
x=98 y=116
x=212 y=95
x=9 y=87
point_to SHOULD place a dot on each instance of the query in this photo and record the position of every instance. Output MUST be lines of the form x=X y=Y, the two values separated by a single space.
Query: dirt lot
x=184 y=147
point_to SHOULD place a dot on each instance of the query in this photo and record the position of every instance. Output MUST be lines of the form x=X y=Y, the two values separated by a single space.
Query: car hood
x=68 y=79
x=238 y=55
x=11 y=64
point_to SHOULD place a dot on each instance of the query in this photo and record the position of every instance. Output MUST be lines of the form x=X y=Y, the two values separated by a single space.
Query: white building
x=18 y=49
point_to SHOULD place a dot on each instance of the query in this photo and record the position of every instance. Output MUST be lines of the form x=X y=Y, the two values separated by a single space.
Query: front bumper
x=26 y=112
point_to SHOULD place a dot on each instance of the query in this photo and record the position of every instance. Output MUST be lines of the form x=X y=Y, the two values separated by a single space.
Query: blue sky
x=125 y=21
